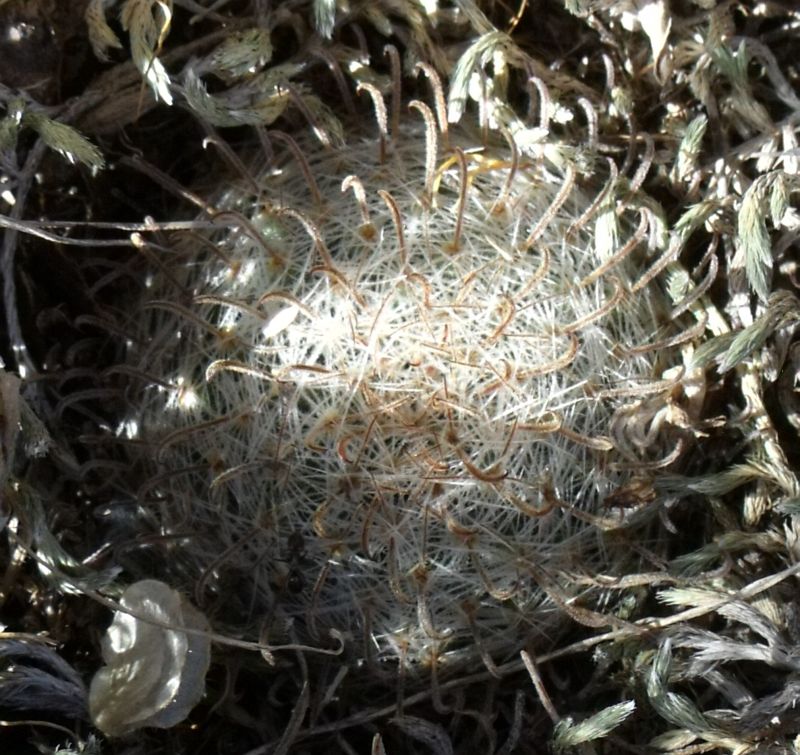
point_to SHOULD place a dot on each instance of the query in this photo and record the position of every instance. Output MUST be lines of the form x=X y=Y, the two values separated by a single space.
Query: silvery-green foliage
x=64 y=139
x=750 y=634
x=680 y=711
x=733 y=348
x=768 y=197
x=242 y=53
x=748 y=113
x=58 y=136
x=676 y=709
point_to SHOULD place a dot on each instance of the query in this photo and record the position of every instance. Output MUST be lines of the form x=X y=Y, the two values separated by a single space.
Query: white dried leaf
x=147 y=22
x=568 y=734
x=101 y=35
x=91 y=745
x=757 y=622
x=694 y=217
x=704 y=597
x=377 y=746
x=727 y=480
x=767 y=155
x=361 y=73
x=153 y=675
x=64 y=139
x=622 y=99
x=282 y=320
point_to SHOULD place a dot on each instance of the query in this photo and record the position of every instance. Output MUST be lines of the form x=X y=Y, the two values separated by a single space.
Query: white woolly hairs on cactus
x=377 y=395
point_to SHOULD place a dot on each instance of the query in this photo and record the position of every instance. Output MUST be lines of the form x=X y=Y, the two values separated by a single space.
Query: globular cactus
x=378 y=392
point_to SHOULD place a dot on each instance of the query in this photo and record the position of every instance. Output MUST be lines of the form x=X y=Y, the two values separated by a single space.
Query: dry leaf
x=153 y=675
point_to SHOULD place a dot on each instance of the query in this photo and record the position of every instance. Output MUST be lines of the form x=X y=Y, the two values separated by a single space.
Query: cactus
x=381 y=390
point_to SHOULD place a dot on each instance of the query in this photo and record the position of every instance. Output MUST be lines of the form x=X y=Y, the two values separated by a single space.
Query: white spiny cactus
x=382 y=389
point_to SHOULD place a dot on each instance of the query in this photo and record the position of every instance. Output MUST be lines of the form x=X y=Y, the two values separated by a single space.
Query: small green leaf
x=710 y=350
x=147 y=22
x=727 y=480
x=568 y=734
x=753 y=250
x=689 y=149
x=694 y=217
x=64 y=139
